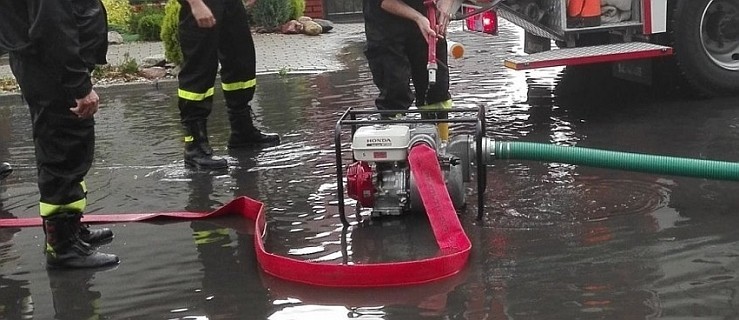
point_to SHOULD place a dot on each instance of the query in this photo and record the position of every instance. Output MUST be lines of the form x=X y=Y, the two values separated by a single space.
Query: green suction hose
x=699 y=168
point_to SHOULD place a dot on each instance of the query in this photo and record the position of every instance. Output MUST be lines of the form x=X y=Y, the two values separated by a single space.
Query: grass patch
x=130 y=37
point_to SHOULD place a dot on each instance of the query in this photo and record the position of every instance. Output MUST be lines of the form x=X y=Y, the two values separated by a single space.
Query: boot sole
x=67 y=267
x=109 y=266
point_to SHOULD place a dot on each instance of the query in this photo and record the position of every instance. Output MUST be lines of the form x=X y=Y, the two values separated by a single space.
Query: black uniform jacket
x=67 y=35
x=382 y=26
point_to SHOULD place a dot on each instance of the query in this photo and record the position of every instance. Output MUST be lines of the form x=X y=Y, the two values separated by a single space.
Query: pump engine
x=380 y=177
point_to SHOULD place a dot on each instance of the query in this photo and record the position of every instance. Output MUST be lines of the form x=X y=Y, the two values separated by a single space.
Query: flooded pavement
x=557 y=241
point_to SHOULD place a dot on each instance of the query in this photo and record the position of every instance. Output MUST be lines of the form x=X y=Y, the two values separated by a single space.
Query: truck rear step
x=588 y=55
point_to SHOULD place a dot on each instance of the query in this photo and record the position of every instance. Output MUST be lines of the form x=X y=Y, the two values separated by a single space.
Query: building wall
x=314 y=8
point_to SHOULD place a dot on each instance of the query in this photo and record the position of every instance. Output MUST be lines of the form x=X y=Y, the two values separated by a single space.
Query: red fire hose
x=453 y=242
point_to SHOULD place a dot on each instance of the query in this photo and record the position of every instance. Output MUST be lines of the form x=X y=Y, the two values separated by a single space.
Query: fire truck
x=697 y=39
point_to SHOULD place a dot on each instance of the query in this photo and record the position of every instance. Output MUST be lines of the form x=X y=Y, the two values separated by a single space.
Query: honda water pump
x=379 y=176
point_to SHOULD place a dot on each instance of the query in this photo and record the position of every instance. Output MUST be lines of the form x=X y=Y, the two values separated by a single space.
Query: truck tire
x=705 y=37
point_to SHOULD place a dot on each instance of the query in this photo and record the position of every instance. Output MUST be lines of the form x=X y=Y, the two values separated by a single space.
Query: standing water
x=557 y=241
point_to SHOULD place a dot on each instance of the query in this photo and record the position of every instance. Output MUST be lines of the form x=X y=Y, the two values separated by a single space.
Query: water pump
x=379 y=176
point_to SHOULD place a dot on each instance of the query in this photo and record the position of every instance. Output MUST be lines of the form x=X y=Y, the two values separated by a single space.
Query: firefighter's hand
x=202 y=14
x=442 y=23
x=87 y=106
x=425 y=26
x=249 y=3
x=444 y=8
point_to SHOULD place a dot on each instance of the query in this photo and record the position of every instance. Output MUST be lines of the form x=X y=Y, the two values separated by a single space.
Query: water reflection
x=16 y=302
x=73 y=294
x=15 y=297
x=226 y=250
x=557 y=241
x=298 y=301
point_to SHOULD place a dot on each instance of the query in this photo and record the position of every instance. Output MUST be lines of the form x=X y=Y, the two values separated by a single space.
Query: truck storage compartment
x=550 y=19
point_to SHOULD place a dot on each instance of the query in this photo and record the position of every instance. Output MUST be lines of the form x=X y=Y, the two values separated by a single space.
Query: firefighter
x=397 y=53
x=213 y=31
x=53 y=47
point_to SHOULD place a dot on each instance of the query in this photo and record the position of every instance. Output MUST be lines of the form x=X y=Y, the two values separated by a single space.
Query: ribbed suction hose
x=698 y=168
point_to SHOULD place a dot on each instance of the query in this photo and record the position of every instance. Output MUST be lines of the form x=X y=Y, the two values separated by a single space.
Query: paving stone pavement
x=291 y=53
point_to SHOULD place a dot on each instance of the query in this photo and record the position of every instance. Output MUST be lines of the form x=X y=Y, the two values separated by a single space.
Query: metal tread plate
x=527 y=24
x=605 y=27
x=588 y=55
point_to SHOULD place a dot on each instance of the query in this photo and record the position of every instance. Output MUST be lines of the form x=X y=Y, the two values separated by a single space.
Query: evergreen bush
x=298 y=9
x=169 y=33
x=150 y=27
x=119 y=14
x=270 y=14
x=143 y=11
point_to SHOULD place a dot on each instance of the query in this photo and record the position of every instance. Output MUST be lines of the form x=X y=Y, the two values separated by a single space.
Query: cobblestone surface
x=275 y=52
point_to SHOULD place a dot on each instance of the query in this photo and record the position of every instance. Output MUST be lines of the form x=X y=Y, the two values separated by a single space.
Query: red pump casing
x=359 y=183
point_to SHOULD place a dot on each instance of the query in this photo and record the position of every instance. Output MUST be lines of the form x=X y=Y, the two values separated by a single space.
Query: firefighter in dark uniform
x=397 y=53
x=213 y=31
x=53 y=46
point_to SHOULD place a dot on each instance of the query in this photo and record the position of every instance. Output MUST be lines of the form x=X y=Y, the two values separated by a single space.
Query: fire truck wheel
x=705 y=35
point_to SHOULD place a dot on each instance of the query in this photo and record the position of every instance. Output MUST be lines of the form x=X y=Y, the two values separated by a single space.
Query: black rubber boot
x=244 y=134
x=5 y=170
x=198 y=153
x=94 y=237
x=64 y=248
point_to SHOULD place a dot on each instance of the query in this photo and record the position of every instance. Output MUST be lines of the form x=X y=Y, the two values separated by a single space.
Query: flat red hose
x=453 y=242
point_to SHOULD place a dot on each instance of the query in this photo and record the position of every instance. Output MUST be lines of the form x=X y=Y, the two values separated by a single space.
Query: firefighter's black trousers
x=228 y=42
x=64 y=143
x=395 y=63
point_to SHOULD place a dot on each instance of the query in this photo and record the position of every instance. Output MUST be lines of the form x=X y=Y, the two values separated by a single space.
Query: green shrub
x=143 y=11
x=118 y=28
x=119 y=13
x=271 y=13
x=127 y=70
x=169 y=33
x=298 y=8
x=129 y=65
x=150 y=27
